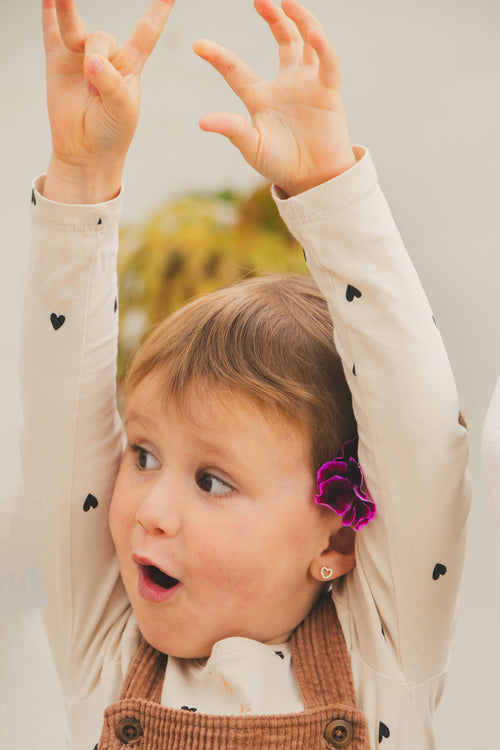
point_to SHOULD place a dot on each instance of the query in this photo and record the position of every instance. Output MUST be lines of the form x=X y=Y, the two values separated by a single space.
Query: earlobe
x=326 y=573
x=338 y=558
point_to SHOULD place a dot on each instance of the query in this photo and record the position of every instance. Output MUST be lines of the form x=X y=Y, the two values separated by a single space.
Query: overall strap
x=145 y=675
x=320 y=659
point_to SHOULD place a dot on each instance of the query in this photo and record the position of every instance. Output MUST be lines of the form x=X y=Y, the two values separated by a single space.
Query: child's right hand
x=93 y=96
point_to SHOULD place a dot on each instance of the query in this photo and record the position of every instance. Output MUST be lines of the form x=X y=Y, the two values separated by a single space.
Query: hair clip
x=339 y=488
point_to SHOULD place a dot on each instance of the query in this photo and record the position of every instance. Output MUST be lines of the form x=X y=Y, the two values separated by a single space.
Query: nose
x=159 y=511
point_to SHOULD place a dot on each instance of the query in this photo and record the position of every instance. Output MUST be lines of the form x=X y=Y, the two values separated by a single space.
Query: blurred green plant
x=193 y=245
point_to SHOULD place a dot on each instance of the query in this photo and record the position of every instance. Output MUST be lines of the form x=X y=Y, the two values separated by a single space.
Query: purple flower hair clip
x=339 y=488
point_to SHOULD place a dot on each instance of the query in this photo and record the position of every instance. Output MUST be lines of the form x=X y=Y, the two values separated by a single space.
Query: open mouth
x=160 y=578
x=154 y=584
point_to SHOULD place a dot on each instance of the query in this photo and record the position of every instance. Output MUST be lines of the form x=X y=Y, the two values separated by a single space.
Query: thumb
x=238 y=130
x=105 y=81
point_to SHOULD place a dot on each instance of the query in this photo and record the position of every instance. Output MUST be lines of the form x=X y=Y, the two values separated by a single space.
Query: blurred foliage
x=193 y=245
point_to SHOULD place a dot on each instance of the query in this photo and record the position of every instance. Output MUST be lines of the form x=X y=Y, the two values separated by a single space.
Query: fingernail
x=95 y=65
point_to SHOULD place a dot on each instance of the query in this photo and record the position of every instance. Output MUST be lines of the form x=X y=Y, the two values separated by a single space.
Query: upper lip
x=145 y=562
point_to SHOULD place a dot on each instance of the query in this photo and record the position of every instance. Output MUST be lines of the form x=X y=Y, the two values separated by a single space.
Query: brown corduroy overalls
x=323 y=672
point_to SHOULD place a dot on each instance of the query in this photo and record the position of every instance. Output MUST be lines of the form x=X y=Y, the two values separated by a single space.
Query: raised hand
x=93 y=95
x=298 y=135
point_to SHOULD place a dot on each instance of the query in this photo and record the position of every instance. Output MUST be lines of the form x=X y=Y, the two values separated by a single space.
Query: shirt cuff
x=329 y=197
x=72 y=216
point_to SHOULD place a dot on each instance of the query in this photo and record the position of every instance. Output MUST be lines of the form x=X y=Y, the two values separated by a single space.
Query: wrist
x=82 y=184
x=329 y=170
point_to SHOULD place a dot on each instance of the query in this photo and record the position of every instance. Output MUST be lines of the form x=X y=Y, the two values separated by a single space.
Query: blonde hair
x=269 y=338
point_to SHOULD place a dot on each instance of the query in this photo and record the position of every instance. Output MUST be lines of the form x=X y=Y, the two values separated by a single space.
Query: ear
x=336 y=559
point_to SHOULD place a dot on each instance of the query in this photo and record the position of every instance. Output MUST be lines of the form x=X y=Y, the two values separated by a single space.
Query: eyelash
x=207 y=474
x=137 y=450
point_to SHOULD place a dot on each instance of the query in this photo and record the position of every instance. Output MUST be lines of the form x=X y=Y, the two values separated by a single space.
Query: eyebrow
x=139 y=418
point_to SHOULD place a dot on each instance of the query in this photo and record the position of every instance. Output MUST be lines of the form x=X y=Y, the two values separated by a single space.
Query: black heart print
x=383 y=731
x=351 y=292
x=57 y=321
x=439 y=570
x=90 y=502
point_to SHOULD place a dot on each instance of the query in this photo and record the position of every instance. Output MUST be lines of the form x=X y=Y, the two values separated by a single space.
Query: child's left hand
x=298 y=137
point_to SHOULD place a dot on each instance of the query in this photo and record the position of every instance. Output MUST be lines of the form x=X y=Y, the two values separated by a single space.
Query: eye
x=145 y=460
x=213 y=485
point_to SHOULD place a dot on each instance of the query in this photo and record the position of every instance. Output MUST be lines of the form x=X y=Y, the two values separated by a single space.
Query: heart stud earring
x=326 y=573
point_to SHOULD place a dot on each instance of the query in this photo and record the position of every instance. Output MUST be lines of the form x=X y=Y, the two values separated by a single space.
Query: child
x=224 y=533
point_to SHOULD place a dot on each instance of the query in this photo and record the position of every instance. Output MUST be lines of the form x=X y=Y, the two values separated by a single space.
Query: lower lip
x=152 y=591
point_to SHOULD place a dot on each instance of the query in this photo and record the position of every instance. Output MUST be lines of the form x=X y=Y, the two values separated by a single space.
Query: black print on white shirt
x=439 y=570
x=351 y=292
x=383 y=731
x=57 y=321
x=99 y=222
x=115 y=306
x=33 y=197
x=187 y=708
x=354 y=370
x=280 y=654
x=90 y=502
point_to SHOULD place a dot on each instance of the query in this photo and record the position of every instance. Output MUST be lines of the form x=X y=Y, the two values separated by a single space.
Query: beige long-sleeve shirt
x=397 y=607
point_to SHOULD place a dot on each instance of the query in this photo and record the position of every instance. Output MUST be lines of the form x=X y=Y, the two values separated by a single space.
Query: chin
x=178 y=641
x=179 y=648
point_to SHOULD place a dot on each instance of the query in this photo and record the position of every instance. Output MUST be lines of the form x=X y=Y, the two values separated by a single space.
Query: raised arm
x=71 y=441
x=397 y=607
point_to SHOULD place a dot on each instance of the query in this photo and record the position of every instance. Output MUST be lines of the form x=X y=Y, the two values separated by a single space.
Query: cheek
x=121 y=517
x=230 y=553
x=115 y=522
x=239 y=557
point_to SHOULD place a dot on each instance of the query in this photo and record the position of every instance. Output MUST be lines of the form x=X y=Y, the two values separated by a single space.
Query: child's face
x=220 y=499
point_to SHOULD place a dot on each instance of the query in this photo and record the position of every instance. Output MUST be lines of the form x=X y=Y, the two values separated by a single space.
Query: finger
x=50 y=27
x=143 y=38
x=305 y=21
x=238 y=130
x=100 y=47
x=329 y=68
x=284 y=31
x=237 y=74
x=101 y=43
x=71 y=27
x=109 y=84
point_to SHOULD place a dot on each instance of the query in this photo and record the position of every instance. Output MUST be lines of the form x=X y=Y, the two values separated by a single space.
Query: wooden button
x=338 y=733
x=129 y=730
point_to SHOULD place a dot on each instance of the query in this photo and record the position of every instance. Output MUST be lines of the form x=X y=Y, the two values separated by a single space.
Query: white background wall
x=421 y=89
